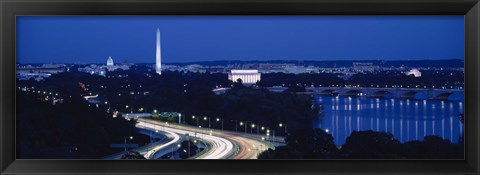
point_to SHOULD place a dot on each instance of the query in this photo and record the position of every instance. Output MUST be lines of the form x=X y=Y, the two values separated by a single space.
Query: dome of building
x=414 y=72
x=110 y=61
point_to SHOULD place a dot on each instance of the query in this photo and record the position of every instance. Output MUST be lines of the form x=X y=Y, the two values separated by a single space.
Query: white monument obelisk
x=158 y=63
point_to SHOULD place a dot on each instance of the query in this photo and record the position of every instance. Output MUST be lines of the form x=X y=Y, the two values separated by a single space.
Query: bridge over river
x=438 y=94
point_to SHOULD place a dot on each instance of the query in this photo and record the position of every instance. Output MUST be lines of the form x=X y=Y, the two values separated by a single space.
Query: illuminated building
x=414 y=72
x=246 y=76
x=109 y=61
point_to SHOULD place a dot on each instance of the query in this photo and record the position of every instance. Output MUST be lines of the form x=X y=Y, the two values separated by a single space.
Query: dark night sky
x=205 y=38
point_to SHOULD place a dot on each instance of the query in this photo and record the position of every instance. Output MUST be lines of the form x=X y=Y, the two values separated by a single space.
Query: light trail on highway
x=249 y=149
x=221 y=148
x=150 y=153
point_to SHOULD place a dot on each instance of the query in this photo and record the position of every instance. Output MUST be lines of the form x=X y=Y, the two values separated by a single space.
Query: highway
x=225 y=144
x=221 y=148
x=221 y=144
x=148 y=149
x=175 y=139
x=248 y=149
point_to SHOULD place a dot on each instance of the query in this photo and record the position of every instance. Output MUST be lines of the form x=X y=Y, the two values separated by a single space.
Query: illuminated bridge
x=439 y=94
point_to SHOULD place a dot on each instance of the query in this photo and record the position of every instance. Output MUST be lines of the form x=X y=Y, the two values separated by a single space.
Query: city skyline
x=193 y=39
x=240 y=87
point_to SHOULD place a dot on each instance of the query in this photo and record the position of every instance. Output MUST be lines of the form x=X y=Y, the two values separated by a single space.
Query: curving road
x=221 y=148
x=222 y=144
x=249 y=149
x=225 y=144
x=151 y=152
x=147 y=150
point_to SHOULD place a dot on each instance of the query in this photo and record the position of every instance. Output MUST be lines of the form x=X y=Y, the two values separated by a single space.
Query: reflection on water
x=406 y=119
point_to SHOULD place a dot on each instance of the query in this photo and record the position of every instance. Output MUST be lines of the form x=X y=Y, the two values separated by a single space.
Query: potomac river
x=406 y=119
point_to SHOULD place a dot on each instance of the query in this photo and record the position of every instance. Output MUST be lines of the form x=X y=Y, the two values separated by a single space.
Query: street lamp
x=241 y=124
x=205 y=118
x=281 y=125
x=193 y=117
x=179 y=118
x=171 y=154
x=218 y=119
x=268 y=134
x=188 y=139
x=246 y=123
x=125 y=143
x=258 y=128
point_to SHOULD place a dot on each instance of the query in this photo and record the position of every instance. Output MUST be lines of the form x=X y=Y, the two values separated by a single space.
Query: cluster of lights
x=48 y=95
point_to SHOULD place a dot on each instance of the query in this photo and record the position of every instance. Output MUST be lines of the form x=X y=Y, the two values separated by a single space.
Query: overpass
x=438 y=94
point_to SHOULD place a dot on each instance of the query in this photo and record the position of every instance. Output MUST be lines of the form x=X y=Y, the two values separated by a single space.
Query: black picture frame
x=11 y=8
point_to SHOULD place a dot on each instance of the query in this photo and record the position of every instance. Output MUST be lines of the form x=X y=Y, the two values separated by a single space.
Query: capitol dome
x=110 y=61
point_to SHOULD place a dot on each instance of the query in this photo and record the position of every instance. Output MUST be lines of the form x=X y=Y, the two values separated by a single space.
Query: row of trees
x=71 y=129
x=317 y=144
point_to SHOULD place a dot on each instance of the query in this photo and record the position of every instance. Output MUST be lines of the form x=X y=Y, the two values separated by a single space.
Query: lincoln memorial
x=247 y=76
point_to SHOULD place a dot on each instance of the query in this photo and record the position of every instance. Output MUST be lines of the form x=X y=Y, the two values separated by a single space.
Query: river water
x=406 y=119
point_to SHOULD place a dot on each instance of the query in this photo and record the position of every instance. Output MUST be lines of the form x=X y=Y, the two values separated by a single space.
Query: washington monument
x=158 y=63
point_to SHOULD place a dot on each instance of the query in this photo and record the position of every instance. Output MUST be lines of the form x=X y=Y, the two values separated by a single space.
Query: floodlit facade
x=414 y=72
x=247 y=76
